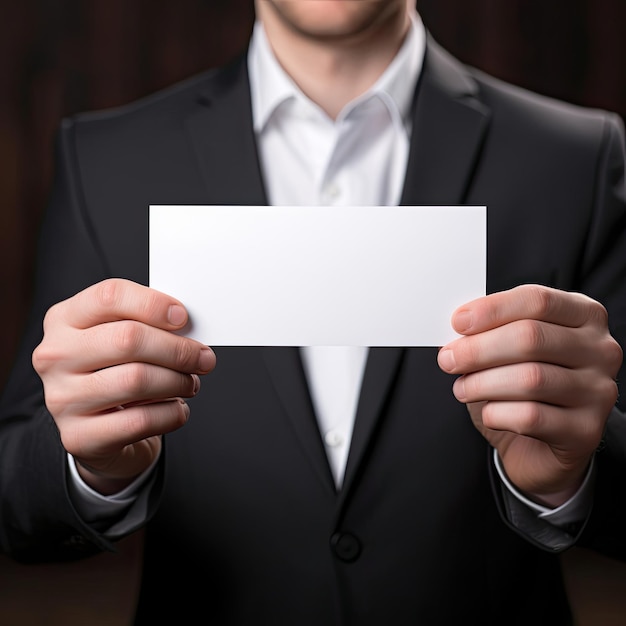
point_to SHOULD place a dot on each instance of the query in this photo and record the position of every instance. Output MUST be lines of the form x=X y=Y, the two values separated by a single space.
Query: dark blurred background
x=59 y=57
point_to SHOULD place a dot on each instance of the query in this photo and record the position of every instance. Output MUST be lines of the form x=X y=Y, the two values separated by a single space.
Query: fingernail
x=206 y=359
x=196 y=384
x=446 y=359
x=186 y=409
x=462 y=321
x=459 y=389
x=176 y=315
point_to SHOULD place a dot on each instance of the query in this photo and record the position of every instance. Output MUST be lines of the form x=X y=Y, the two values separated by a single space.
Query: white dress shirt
x=358 y=159
x=308 y=158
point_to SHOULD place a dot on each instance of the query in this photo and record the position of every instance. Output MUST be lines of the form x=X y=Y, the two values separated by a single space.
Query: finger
x=538 y=382
x=105 y=435
x=134 y=383
x=115 y=343
x=573 y=432
x=534 y=302
x=118 y=299
x=121 y=385
x=519 y=341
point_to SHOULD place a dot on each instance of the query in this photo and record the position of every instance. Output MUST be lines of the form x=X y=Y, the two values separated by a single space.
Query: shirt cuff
x=574 y=511
x=121 y=512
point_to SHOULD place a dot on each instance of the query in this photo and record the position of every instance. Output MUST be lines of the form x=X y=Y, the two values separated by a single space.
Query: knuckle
x=56 y=401
x=614 y=355
x=529 y=419
x=136 y=421
x=533 y=378
x=46 y=353
x=100 y=385
x=610 y=391
x=108 y=293
x=524 y=419
x=128 y=337
x=531 y=337
x=50 y=317
x=598 y=313
x=542 y=300
x=152 y=304
x=43 y=358
x=135 y=379
x=140 y=421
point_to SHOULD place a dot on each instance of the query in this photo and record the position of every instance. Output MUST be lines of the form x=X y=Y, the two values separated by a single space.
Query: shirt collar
x=271 y=86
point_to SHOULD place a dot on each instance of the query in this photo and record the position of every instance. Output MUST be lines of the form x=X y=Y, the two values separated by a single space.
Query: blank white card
x=300 y=276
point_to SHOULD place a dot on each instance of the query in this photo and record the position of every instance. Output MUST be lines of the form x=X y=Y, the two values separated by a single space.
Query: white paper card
x=300 y=276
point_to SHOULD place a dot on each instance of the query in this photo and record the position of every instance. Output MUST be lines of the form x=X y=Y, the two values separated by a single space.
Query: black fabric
x=246 y=526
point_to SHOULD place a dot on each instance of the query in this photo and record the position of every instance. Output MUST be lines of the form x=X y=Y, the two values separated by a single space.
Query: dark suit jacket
x=246 y=526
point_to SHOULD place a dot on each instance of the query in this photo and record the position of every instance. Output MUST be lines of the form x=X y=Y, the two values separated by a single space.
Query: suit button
x=345 y=546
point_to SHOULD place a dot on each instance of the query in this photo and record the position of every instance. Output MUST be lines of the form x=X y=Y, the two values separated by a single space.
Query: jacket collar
x=450 y=123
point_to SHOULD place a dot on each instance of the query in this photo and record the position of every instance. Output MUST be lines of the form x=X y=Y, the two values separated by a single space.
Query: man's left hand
x=537 y=370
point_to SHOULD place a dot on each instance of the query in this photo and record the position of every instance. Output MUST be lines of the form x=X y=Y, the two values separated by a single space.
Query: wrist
x=556 y=499
x=100 y=482
x=545 y=501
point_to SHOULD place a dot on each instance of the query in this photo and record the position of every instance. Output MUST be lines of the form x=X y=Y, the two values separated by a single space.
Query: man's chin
x=334 y=19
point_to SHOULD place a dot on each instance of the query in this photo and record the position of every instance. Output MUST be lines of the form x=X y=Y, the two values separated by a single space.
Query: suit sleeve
x=603 y=277
x=37 y=520
x=604 y=269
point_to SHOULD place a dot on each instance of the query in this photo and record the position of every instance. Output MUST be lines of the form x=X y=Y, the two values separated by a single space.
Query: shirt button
x=333 y=438
x=332 y=191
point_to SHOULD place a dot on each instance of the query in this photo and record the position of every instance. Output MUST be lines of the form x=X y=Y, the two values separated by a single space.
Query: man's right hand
x=115 y=375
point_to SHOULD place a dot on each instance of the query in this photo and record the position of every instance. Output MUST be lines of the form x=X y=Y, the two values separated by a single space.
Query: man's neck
x=332 y=72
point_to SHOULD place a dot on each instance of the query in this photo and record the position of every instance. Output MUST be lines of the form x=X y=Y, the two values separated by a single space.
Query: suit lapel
x=449 y=126
x=221 y=132
x=289 y=380
x=378 y=379
x=222 y=135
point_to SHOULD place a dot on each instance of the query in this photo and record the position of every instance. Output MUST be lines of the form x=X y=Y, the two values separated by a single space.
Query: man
x=451 y=479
